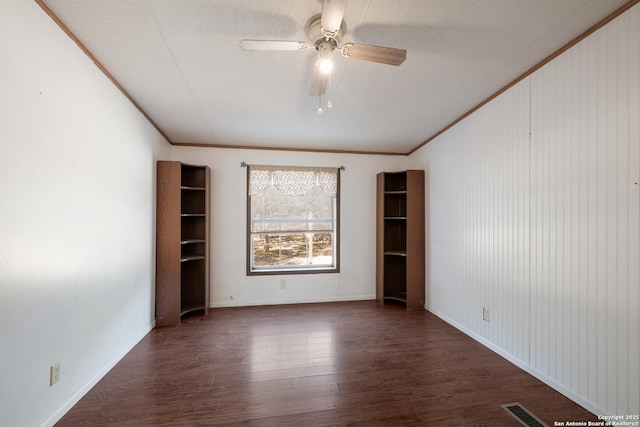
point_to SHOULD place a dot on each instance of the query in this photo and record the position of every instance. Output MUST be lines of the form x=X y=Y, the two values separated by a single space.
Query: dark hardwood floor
x=332 y=364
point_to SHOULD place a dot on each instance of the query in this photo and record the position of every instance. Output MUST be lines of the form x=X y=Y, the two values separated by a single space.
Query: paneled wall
x=534 y=214
x=585 y=167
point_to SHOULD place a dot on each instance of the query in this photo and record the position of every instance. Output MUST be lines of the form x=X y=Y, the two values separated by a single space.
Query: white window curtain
x=292 y=180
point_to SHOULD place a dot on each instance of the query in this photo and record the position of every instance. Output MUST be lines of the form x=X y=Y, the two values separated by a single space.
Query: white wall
x=534 y=212
x=77 y=179
x=356 y=279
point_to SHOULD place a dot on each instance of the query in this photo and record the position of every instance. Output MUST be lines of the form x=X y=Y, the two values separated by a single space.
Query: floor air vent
x=525 y=417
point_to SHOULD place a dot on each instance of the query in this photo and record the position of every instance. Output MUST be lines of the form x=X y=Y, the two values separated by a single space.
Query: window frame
x=285 y=270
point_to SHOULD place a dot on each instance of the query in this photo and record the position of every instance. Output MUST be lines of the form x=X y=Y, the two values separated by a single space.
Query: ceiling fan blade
x=332 y=14
x=318 y=81
x=272 y=45
x=367 y=52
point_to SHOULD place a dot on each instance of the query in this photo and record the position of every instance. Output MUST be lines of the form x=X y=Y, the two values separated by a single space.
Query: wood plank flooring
x=331 y=364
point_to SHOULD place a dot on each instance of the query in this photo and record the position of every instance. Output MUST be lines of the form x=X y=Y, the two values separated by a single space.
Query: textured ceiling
x=180 y=62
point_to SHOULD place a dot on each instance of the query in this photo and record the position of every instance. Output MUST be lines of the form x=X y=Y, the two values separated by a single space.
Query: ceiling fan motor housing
x=325 y=47
x=314 y=32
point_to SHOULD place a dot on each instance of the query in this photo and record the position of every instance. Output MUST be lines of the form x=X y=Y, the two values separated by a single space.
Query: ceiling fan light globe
x=326 y=65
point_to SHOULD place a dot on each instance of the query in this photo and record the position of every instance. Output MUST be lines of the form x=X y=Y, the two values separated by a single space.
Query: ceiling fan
x=325 y=32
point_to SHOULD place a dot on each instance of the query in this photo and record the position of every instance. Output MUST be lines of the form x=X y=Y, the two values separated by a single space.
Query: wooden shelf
x=396 y=253
x=191 y=308
x=192 y=258
x=398 y=297
x=400 y=238
x=182 y=241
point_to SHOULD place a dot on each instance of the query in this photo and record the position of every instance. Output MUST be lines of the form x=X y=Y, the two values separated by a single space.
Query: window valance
x=292 y=180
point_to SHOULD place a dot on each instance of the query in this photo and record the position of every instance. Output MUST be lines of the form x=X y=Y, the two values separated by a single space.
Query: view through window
x=292 y=219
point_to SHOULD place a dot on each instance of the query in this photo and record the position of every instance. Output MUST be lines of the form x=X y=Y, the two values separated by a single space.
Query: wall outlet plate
x=485 y=314
x=54 y=373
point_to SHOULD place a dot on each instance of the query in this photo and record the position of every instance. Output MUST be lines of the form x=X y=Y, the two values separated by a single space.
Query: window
x=292 y=219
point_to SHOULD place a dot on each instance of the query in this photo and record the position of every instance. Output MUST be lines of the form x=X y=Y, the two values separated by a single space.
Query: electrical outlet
x=283 y=284
x=485 y=313
x=54 y=373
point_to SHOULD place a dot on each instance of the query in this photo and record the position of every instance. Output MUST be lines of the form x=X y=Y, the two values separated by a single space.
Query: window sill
x=284 y=270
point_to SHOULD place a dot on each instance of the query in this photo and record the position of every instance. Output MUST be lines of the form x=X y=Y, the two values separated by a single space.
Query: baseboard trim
x=223 y=304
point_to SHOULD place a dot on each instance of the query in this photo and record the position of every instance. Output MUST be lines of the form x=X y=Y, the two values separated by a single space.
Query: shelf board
x=399 y=296
x=192 y=215
x=397 y=218
x=184 y=187
x=191 y=258
x=396 y=192
x=396 y=253
x=189 y=241
x=187 y=308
